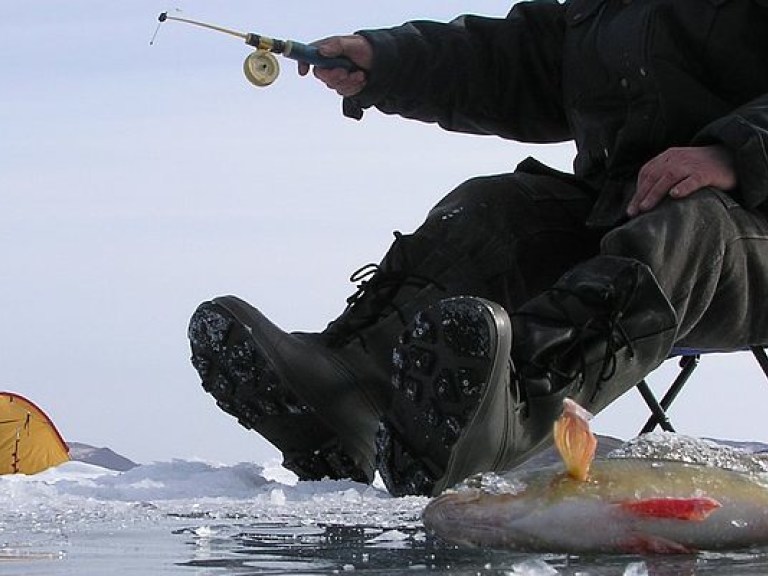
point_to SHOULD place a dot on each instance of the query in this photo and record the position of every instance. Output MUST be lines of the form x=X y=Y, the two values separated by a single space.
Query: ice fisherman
x=520 y=289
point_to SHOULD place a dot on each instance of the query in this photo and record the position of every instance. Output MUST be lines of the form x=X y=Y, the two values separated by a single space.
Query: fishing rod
x=261 y=68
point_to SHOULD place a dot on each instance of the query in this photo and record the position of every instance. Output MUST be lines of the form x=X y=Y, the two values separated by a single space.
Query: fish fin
x=574 y=440
x=690 y=509
x=649 y=544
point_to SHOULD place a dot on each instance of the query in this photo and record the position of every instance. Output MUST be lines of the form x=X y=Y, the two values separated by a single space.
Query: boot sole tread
x=440 y=363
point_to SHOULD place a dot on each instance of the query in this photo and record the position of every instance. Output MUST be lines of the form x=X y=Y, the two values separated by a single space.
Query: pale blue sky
x=137 y=181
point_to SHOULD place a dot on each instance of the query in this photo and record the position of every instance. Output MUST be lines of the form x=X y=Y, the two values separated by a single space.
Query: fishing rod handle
x=311 y=55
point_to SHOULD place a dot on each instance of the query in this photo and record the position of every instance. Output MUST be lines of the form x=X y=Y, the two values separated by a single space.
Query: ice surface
x=533 y=567
x=748 y=457
x=636 y=569
x=492 y=483
x=171 y=515
x=202 y=519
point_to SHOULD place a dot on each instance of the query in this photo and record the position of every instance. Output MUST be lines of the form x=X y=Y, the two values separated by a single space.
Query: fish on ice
x=611 y=505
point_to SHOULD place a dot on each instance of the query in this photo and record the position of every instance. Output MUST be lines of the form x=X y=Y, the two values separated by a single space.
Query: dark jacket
x=625 y=79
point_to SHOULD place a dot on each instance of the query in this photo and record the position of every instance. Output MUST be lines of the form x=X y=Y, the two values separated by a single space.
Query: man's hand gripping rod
x=261 y=67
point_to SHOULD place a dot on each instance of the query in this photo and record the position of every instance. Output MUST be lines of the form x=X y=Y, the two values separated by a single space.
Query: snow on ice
x=203 y=519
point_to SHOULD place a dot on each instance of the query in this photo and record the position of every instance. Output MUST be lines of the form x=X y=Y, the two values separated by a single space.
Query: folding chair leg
x=761 y=358
x=688 y=364
x=659 y=416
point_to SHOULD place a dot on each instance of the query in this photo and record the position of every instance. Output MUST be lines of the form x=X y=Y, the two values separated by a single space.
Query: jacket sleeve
x=745 y=132
x=499 y=76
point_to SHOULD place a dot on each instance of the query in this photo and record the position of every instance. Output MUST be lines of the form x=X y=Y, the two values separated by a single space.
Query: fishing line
x=163 y=17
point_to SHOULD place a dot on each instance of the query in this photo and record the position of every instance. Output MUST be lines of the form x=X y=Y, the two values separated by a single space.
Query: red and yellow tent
x=29 y=442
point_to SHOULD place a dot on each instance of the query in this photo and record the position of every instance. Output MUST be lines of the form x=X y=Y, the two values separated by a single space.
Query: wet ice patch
x=204 y=532
x=389 y=536
x=533 y=567
x=636 y=569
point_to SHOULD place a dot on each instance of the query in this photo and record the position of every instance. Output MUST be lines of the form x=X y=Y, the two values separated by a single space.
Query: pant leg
x=710 y=257
x=523 y=230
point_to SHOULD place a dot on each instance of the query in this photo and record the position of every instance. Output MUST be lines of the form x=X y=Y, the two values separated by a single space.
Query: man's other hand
x=679 y=172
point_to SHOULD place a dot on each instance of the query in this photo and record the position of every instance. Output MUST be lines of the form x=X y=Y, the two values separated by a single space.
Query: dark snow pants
x=708 y=254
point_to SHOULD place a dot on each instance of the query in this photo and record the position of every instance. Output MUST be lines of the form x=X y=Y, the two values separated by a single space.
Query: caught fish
x=611 y=505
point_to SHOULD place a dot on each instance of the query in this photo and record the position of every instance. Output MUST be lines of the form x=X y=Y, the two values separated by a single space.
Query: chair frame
x=689 y=360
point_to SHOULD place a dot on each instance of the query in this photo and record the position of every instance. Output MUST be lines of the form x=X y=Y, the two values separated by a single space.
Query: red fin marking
x=690 y=509
x=647 y=544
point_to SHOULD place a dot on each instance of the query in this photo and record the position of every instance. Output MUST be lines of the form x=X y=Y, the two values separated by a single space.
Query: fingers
x=344 y=83
x=655 y=181
x=663 y=187
x=355 y=48
x=686 y=187
x=679 y=172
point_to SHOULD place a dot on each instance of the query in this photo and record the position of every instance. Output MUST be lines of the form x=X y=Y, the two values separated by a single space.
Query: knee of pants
x=693 y=228
x=473 y=194
x=472 y=210
x=478 y=218
x=636 y=240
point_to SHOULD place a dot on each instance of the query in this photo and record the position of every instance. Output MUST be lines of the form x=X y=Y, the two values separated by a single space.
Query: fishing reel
x=261 y=68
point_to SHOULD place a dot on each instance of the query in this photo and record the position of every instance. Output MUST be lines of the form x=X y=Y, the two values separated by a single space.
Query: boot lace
x=608 y=327
x=378 y=286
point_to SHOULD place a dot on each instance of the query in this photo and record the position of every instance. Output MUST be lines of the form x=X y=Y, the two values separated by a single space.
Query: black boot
x=594 y=335
x=319 y=397
x=451 y=403
x=591 y=337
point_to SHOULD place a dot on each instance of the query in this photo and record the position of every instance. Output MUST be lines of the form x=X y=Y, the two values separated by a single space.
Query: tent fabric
x=29 y=442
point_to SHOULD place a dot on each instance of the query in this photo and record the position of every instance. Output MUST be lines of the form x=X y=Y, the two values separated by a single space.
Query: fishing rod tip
x=163 y=17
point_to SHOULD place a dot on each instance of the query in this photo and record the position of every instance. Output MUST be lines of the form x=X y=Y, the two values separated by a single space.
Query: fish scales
x=626 y=505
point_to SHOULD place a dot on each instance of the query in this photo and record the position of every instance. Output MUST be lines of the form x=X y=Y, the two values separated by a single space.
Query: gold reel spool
x=261 y=68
